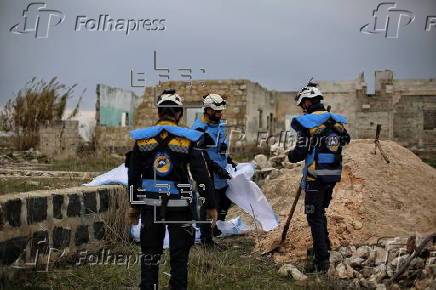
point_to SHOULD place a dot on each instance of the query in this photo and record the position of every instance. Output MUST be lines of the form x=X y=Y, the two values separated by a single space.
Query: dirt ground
x=374 y=199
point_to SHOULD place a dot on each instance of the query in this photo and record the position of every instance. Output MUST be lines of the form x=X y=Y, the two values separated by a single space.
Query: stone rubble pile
x=14 y=157
x=372 y=266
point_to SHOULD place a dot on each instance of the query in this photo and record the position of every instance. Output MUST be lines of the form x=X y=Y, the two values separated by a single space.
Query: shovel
x=277 y=244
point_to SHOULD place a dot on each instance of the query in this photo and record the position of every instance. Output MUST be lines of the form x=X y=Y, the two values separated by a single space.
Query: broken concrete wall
x=414 y=122
x=405 y=108
x=261 y=114
x=233 y=91
x=113 y=139
x=115 y=107
x=344 y=99
x=60 y=140
x=252 y=108
x=285 y=109
x=115 y=112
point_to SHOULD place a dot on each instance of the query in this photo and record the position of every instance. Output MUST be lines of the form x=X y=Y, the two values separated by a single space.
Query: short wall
x=60 y=140
x=51 y=224
x=113 y=139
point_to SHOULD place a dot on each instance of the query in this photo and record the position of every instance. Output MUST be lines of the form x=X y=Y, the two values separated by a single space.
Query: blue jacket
x=158 y=163
x=321 y=136
x=217 y=151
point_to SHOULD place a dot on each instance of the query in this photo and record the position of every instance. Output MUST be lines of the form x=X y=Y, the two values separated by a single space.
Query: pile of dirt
x=374 y=199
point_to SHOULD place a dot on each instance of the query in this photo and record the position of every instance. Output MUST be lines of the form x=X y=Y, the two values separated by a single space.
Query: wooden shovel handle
x=291 y=213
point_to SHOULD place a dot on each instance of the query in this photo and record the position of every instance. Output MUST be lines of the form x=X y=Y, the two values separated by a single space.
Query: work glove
x=223 y=173
x=230 y=161
x=223 y=148
x=213 y=215
x=133 y=214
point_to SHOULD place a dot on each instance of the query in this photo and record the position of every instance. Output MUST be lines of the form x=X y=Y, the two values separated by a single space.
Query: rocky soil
x=375 y=199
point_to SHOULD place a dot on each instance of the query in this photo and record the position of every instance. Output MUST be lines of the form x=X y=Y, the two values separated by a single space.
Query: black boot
x=216 y=232
x=310 y=254
x=317 y=266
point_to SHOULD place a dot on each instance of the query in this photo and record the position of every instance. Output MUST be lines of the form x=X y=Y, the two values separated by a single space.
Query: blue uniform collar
x=316 y=119
x=150 y=132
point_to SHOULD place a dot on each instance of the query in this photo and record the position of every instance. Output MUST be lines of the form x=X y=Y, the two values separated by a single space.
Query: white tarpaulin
x=115 y=176
x=228 y=228
x=242 y=191
x=248 y=196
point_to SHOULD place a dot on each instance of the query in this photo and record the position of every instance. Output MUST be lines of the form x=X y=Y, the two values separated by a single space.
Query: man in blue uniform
x=163 y=159
x=211 y=124
x=321 y=136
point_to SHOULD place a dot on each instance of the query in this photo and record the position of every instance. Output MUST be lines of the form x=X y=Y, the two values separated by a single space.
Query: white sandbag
x=115 y=176
x=248 y=196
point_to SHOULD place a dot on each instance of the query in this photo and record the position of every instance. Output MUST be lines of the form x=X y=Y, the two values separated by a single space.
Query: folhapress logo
x=38 y=20
x=388 y=20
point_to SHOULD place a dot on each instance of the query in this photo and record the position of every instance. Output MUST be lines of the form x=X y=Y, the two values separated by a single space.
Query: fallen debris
x=374 y=199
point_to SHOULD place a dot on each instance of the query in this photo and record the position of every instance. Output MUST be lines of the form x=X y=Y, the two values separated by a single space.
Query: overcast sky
x=280 y=44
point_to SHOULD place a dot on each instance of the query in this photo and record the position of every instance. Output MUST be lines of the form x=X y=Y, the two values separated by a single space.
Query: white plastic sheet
x=248 y=196
x=242 y=191
x=115 y=176
x=228 y=228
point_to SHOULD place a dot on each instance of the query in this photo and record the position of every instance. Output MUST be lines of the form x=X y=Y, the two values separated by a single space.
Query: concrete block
x=82 y=235
x=13 y=212
x=104 y=199
x=11 y=250
x=74 y=205
x=90 y=202
x=99 y=230
x=39 y=243
x=61 y=238
x=36 y=209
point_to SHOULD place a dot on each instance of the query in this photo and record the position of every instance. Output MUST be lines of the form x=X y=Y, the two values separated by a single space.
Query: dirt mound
x=374 y=199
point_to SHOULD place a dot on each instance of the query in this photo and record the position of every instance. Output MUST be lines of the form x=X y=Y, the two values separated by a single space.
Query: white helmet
x=170 y=96
x=214 y=101
x=310 y=91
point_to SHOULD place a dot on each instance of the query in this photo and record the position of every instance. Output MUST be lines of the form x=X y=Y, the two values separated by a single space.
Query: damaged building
x=114 y=116
x=405 y=108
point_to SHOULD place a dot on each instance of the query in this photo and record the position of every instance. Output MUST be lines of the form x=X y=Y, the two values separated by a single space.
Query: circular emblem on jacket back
x=162 y=164
x=333 y=143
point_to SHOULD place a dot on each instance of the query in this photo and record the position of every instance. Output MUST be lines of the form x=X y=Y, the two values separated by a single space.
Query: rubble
x=420 y=274
x=374 y=199
x=296 y=274
x=262 y=162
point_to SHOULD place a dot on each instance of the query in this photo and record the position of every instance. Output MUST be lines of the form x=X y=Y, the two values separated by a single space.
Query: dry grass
x=235 y=268
x=117 y=227
x=39 y=103
x=13 y=185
